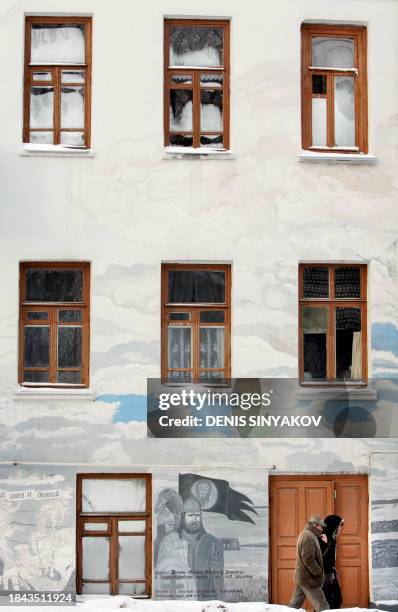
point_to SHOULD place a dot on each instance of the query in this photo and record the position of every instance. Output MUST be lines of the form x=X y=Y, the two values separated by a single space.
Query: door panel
x=292 y=500
x=292 y=503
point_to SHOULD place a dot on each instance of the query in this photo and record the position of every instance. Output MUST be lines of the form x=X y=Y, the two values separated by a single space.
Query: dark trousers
x=315 y=596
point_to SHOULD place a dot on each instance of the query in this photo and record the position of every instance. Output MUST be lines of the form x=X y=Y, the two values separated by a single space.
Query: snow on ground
x=119 y=601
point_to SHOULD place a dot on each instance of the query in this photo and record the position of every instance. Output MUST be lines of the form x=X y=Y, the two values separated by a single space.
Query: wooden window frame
x=56 y=69
x=112 y=531
x=359 y=34
x=332 y=303
x=195 y=86
x=194 y=309
x=52 y=321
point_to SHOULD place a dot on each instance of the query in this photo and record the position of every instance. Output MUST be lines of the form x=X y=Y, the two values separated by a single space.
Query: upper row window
x=196 y=78
x=57 y=81
x=196 y=84
x=334 y=115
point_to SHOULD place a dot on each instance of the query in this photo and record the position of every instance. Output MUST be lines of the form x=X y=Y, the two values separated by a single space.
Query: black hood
x=332 y=522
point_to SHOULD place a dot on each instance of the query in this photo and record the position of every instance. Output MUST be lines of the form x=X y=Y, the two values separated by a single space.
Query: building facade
x=181 y=187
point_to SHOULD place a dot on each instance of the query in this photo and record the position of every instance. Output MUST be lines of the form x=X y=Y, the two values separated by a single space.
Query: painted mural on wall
x=211 y=537
x=36 y=533
x=384 y=526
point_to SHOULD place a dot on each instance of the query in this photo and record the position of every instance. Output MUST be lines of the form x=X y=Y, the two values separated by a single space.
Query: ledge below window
x=348 y=158
x=39 y=150
x=53 y=393
x=311 y=392
x=201 y=153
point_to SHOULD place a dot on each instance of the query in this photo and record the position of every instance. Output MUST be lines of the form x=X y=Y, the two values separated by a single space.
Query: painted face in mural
x=192 y=521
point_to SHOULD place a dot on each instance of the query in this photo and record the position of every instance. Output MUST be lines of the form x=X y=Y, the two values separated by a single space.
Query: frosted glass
x=180 y=377
x=344 y=111
x=131 y=526
x=96 y=526
x=211 y=108
x=41 y=137
x=93 y=588
x=179 y=347
x=180 y=110
x=41 y=107
x=319 y=122
x=128 y=588
x=211 y=347
x=72 y=107
x=333 y=52
x=52 y=43
x=181 y=79
x=42 y=76
x=114 y=495
x=211 y=80
x=96 y=558
x=196 y=46
x=131 y=557
x=72 y=76
x=72 y=139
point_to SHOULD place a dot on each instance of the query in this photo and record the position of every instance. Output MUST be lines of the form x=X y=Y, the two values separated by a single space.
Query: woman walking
x=331 y=587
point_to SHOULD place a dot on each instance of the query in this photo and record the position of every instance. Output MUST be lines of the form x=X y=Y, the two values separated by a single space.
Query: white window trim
x=52 y=393
x=329 y=157
x=47 y=150
x=171 y=152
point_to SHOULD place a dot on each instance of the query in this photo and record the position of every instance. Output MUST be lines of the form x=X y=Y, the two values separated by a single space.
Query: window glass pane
x=314 y=324
x=42 y=76
x=96 y=558
x=180 y=377
x=57 y=43
x=127 y=588
x=348 y=344
x=72 y=107
x=41 y=107
x=131 y=526
x=319 y=84
x=211 y=376
x=70 y=316
x=181 y=79
x=344 y=111
x=333 y=52
x=179 y=347
x=319 y=122
x=72 y=76
x=180 y=316
x=180 y=110
x=70 y=378
x=72 y=139
x=131 y=557
x=211 y=141
x=347 y=282
x=114 y=495
x=211 y=79
x=99 y=588
x=211 y=347
x=37 y=316
x=196 y=46
x=41 y=137
x=44 y=285
x=36 y=376
x=211 y=108
x=212 y=316
x=96 y=526
x=37 y=347
x=196 y=286
x=179 y=140
x=316 y=282
x=69 y=347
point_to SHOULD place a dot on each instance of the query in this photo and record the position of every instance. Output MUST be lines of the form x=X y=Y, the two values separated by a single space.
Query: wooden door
x=292 y=500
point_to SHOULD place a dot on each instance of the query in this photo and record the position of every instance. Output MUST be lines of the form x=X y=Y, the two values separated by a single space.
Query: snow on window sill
x=330 y=157
x=46 y=150
x=201 y=153
x=53 y=393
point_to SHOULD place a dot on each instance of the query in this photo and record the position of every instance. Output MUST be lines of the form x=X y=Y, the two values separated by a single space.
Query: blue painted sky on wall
x=131 y=407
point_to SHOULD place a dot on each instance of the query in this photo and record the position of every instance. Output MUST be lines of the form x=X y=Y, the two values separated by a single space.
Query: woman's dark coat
x=331 y=587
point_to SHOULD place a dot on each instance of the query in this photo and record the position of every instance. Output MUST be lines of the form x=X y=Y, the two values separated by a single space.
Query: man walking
x=309 y=575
